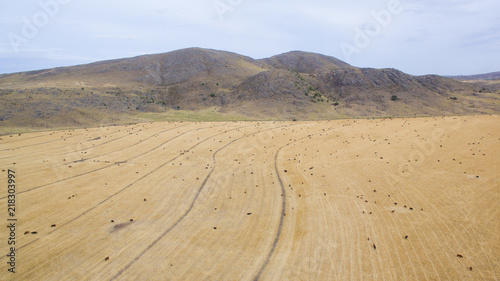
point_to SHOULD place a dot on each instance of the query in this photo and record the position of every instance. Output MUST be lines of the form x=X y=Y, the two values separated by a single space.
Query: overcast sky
x=447 y=37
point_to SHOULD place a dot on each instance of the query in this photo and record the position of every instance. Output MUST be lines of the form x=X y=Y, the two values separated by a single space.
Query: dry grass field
x=375 y=199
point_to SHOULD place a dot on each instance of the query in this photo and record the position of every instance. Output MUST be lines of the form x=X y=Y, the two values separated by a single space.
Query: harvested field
x=382 y=199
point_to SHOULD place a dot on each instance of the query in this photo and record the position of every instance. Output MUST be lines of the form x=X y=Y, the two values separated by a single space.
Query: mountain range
x=488 y=76
x=294 y=85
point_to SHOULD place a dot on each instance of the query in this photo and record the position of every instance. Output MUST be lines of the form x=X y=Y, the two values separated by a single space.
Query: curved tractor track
x=400 y=199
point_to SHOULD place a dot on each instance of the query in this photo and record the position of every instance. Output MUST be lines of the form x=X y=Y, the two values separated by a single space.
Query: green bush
x=394 y=98
x=336 y=103
x=212 y=95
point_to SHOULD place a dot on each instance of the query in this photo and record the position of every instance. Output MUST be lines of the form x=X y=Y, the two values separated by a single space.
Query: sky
x=444 y=37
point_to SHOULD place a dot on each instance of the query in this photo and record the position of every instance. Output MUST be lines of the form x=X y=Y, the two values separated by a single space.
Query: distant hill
x=487 y=76
x=295 y=85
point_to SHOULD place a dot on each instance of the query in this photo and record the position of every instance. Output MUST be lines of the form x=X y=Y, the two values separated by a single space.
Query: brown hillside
x=305 y=62
x=304 y=85
x=160 y=70
x=488 y=76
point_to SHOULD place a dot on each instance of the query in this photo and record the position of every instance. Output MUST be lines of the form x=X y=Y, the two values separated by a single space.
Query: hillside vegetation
x=295 y=85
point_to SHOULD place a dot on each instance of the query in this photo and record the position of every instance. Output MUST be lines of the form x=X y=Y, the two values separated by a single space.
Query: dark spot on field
x=121 y=226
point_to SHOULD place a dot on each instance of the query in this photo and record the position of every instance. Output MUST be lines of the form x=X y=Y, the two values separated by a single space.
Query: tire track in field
x=213 y=191
x=8 y=142
x=111 y=152
x=45 y=135
x=200 y=189
x=285 y=135
x=283 y=208
x=321 y=258
x=55 y=148
x=282 y=217
x=116 y=132
x=71 y=136
x=102 y=168
x=123 y=189
x=30 y=145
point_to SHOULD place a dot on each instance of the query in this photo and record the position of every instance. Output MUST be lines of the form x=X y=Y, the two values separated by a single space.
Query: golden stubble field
x=384 y=199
